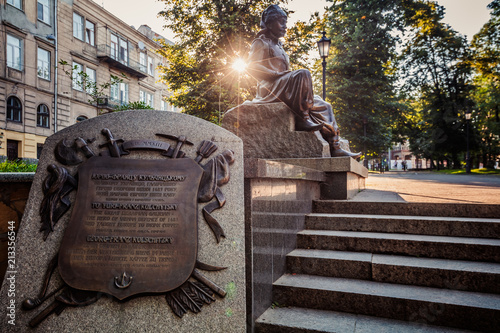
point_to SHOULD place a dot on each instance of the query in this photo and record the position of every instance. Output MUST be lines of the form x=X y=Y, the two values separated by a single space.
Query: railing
x=121 y=61
x=108 y=102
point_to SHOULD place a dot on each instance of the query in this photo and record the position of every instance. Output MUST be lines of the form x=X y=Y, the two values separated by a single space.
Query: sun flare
x=239 y=65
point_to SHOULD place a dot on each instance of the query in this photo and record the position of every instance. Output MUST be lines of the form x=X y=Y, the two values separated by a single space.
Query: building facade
x=36 y=35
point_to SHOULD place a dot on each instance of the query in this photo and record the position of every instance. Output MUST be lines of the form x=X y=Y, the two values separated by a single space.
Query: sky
x=465 y=16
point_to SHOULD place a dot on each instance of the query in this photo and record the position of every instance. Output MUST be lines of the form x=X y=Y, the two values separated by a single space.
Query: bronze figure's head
x=273 y=22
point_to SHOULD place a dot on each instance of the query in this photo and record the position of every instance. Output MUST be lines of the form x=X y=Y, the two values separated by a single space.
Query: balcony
x=112 y=57
x=107 y=103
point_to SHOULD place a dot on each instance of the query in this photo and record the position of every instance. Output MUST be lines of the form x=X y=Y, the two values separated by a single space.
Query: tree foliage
x=436 y=73
x=94 y=90
x=395 y=70
x=211 y=35
x=485 y=59
x=360 y=81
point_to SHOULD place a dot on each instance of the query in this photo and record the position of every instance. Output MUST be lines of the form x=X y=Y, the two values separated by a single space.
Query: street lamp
x=324 y=49
x=467 y=157
x=365 y=121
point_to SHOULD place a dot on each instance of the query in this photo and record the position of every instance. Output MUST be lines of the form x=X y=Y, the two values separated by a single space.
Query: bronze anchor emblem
x=123 y=283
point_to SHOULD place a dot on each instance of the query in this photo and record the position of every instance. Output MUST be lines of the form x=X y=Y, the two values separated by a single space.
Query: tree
x=133 y=106
x=211 y=35
x=95 y=92
x=437 y=74
x=485 y=59
x=360 y=80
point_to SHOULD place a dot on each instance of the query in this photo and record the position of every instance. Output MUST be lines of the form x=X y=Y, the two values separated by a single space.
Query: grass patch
x=17 y=166
x=482 y=171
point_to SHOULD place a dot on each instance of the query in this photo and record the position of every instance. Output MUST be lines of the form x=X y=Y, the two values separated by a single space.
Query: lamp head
x=324 y=46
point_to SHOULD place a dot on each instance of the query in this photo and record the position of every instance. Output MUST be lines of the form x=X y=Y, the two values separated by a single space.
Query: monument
x=269 y=64
x=286 y=122
x=134 y=223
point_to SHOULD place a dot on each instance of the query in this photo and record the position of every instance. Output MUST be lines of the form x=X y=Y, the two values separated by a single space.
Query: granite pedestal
x=268 y=132
x=344 y=176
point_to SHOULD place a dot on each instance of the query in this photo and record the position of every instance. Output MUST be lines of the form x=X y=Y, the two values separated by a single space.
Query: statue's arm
x=258 y=60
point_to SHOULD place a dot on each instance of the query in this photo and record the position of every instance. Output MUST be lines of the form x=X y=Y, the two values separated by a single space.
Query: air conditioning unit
x=102 y=101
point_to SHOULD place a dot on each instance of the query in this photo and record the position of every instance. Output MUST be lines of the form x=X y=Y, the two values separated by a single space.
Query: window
x=78 y=83
x=147 y=98
x=42 y=116
x=114 y=47
x=89 y=33
x=91 y=80
x=16 y=3
x=14 y=109
x=163 y=105
x=119 y=93
x=77 y=26
x=151 y=69
x=43 y=68
x=81 y=118
x=14 y=52
x=12 y=150
x=143 y=62
x=123 y=51
x=39 y=148
x=43 y=11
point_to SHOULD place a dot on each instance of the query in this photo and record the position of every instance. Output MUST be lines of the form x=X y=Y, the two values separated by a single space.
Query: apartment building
x=36 y=34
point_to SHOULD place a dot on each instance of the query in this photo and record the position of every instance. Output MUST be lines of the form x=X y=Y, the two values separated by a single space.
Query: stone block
x=344 y=176
x=268 y=132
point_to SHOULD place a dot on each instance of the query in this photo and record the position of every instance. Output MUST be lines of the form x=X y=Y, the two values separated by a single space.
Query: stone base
x=268 y=132
x=345 y=177
x=277 y=198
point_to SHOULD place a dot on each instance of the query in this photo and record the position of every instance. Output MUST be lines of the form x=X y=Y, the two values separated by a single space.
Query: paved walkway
x=426 y=186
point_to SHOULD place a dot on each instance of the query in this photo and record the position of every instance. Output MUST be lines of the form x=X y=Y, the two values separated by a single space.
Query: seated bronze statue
x=270 y=65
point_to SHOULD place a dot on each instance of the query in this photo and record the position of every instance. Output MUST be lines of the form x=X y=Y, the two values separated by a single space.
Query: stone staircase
x=413 y=268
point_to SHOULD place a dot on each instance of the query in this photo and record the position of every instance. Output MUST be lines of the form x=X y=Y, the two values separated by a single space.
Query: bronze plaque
x=134 y=226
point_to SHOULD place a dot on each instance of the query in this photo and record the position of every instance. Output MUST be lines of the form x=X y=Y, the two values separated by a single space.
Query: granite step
x=407 y=208
x=302 y=320
x=457 y=248
x=437 y=273
x=440 y=307
x=420 y=225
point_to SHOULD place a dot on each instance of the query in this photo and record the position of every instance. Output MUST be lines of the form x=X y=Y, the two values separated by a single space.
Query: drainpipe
x=56 y=56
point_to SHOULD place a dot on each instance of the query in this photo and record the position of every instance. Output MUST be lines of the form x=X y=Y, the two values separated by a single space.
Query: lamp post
x=324 y=49
x=365 y=162
x=467 y=157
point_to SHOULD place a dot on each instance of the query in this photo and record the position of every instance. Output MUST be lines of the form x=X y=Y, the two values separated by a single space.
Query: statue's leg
x=335 y=149
x=298 y=95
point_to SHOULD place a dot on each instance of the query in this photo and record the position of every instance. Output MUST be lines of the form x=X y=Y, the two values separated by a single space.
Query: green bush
x=17 y=166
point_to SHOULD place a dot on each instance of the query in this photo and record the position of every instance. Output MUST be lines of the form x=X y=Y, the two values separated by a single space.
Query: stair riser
x=476 y=252
x=407 y=208
x=418 y=276
x=413 y=226
x=361 y=270
x=437 y=278
x=270 y=328
x=395 y=308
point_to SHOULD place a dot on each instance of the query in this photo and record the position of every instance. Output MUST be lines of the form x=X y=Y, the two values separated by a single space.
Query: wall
x=277 y=197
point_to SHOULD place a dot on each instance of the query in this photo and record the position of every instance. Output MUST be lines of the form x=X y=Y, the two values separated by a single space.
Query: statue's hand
x=282 y=73
x=318 y=108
